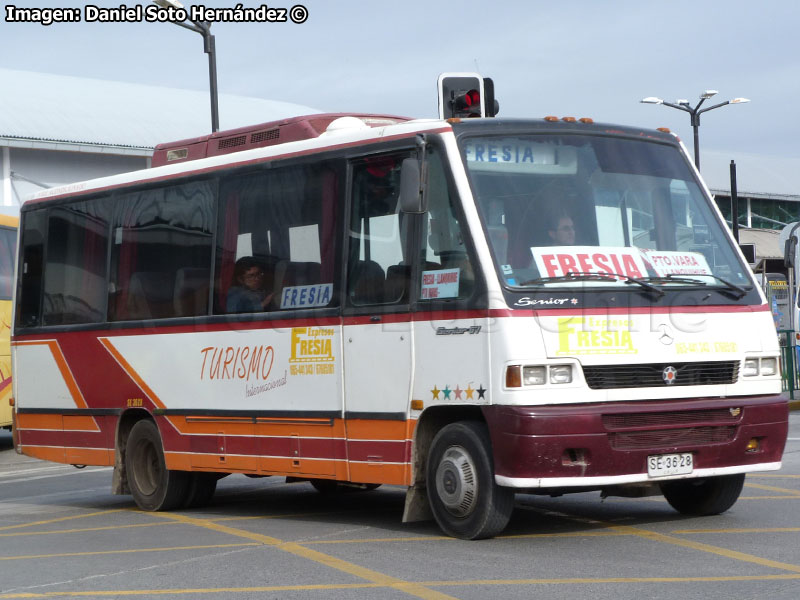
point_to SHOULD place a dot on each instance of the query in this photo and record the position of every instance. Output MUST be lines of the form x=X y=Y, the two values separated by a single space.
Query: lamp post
x=695 y=113
x=204 y=29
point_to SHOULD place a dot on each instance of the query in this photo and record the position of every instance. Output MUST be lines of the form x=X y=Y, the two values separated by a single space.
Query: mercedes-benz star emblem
x=669 y=374
x=666 y=334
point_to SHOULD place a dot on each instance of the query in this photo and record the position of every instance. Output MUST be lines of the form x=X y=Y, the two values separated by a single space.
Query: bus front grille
x=605 y=377
x=667 y=438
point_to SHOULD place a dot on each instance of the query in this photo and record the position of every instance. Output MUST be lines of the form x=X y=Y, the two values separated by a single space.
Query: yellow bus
x=8 y=244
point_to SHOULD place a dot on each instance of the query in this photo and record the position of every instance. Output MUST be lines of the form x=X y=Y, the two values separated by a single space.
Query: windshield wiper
x=590 y=276
x=733 y=289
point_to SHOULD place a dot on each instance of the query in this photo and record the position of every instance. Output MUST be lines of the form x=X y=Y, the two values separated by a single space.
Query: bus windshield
x=596 y=209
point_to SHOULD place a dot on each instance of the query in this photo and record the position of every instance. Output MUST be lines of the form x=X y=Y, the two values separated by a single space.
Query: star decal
x=447 y=391
x=435 y=392
x=470 y=392
x=458 y=391
x=481 y=393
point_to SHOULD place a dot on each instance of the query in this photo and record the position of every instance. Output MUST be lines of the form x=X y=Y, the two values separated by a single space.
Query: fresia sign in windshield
x=630 y=262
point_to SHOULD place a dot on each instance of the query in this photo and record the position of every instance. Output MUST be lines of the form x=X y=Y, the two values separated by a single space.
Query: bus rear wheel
x=703 y=497
x=152 y=485
x=200 y=489
x=465 y=500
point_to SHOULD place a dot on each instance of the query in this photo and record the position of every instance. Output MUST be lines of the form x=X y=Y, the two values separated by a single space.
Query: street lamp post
x=695 y=113
x=204 y=29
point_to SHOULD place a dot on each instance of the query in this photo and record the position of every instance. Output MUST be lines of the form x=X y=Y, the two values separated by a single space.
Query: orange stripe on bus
x=261 y=465
x=80 y=423
x=131 y=372
x=32 y=421
x=63 y=367
x=377 y=429
x=45 y=453
x=98 y=457
x=390 y=474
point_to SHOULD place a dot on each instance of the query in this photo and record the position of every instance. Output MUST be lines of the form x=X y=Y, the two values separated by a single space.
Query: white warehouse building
x=56 y=130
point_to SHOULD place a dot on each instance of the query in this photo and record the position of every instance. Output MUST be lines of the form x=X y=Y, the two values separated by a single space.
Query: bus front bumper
x=597 y=445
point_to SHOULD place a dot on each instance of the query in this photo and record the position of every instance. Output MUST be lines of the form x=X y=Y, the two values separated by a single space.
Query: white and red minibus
x=469 y=307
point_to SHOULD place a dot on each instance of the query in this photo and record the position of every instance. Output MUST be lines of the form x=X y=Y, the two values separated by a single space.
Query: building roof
x=767 y=242
x=75 y=113
x=757 y=176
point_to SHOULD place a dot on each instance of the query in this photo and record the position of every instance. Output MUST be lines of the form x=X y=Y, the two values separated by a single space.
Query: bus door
x=377 y=336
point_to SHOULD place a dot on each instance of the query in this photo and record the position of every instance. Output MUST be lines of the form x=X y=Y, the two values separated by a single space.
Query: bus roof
x=259 y=136
x=315 y=133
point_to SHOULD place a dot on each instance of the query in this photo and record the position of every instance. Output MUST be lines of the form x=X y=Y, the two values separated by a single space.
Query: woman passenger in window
x=248 y=292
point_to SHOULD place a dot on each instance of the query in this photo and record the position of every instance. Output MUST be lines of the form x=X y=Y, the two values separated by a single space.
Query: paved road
x=63 y=535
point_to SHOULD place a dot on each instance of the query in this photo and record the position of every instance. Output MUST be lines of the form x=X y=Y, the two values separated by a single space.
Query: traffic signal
x=465 y=95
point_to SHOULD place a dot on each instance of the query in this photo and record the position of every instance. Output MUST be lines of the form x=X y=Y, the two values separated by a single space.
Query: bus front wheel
x=152 y=485
x=703 y=497
x=465 y=500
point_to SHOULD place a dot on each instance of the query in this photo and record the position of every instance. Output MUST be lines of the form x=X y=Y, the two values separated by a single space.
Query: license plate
x=661 y=465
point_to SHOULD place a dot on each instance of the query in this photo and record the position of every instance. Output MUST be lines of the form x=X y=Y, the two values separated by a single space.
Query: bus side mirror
x=413 y=199
x=789 y=251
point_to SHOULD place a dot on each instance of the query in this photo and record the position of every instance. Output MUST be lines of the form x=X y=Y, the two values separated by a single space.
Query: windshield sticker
x=306 y=296
x=558 y=261
x=440 y=284
x=677 y=263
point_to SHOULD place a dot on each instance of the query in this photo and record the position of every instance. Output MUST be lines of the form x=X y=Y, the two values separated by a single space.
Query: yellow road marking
x=83 y=529
x=445 y=583
x=759 y=476
x=83 y=516
x=661 y=498
x=767 y=497
x=667 y=539
x=127 y=551
x=445 y=538
x=174 y=592
x=740 y=530
x=410 y=588
x=769 y=488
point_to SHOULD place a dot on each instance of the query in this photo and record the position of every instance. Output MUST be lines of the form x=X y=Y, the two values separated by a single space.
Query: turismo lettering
x=237 y=362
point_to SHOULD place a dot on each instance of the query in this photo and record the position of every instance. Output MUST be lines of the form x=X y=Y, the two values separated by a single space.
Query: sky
x=581 y=58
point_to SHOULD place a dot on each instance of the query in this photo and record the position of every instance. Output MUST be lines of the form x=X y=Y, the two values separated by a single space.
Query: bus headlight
x=561 y=374
x=534 y=375
x=769 y=366
x=750 y=367
x=518 y=376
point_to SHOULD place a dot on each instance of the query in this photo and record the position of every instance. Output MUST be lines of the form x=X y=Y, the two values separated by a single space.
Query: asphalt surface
x=63 y=535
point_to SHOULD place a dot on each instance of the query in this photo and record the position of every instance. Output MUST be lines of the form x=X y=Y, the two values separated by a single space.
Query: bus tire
x=703 y=497
x=465 y=500
x=152 y=486
x=200 y=490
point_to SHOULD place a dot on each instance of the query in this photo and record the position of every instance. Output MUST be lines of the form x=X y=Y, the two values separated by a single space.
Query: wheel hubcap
x=456 y=481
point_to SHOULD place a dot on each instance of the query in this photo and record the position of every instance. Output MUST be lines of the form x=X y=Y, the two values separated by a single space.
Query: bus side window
x=447 y=271
x=75 y=264
x=158 y=234
x=29 y=298
x=378 y=269
x=278 y=225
